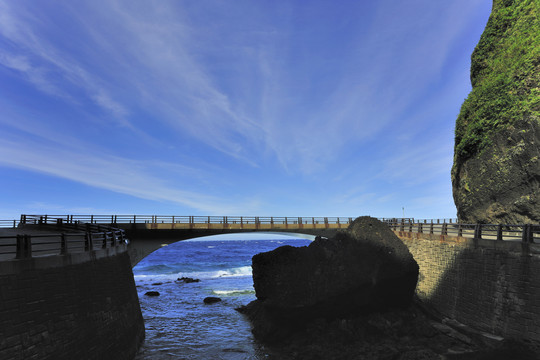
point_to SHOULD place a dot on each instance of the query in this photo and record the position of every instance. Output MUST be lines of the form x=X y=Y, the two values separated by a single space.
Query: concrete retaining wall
x=76 y=306
x=492 y=286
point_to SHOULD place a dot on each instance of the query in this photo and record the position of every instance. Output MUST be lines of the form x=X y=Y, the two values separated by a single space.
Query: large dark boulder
x=365 y=268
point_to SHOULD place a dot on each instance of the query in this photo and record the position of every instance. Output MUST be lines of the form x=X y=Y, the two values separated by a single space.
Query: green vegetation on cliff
x=505 y=74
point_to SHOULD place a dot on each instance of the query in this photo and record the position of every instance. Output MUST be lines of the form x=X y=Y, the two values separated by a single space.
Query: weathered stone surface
x=496 y=171
x=502 y=184
x=362 y=269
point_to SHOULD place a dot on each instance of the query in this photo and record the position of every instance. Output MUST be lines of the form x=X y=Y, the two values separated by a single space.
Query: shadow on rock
x=363 y=269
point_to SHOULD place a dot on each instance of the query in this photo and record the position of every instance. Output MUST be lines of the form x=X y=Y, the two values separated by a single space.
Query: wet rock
x=157 y=284
x=152 y=293
x=366 y=268
x=211 y=300
x=188 y=280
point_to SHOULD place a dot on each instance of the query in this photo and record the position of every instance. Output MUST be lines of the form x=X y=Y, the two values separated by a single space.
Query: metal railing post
x=478 y=231
x=87 y=241
x=63 y=244
x=526 y=235
x=20 y=247
x=499 y=232
x=104 y=245
x=28 y=245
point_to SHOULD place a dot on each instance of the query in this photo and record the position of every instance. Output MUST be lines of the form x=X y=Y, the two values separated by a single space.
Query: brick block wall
x=85 y=309
x=491 y=286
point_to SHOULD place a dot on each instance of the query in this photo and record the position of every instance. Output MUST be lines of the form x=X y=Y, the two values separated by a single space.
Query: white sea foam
x=240 y=271
x=233 y=272
x=232 y=292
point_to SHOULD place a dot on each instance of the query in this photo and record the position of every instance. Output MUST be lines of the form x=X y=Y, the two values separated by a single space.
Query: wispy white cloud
x=229 y=84
x=126 y=176
x=158 y=48
x=17 y=26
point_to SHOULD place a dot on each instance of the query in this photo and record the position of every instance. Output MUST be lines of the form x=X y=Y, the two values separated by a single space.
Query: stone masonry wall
x=492 y=286
x=78 y=306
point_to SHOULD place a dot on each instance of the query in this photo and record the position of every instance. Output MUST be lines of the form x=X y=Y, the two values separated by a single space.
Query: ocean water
x=178 y=324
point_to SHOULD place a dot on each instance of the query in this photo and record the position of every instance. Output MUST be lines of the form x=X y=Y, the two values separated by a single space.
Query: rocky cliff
x=496 y=171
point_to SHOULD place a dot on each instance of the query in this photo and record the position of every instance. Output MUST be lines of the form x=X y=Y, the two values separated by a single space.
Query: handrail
x=526 y=233
x=9 y=223
x=99 y=229
x=156 y=219
x=71 y=238
x=194 y=219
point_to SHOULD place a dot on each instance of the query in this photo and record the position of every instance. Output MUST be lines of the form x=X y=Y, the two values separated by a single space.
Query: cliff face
x=496 y=171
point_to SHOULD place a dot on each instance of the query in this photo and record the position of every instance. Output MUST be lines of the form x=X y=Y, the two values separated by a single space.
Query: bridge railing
x=527 y=233
x=172 y=219
x=72 y=238
x=9 y=223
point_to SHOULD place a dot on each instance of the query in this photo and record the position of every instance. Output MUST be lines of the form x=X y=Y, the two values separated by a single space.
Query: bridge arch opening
x=184 y=273
x=141 y=247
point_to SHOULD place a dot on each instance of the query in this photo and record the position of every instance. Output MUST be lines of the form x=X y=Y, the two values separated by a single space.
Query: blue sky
x=255 y=108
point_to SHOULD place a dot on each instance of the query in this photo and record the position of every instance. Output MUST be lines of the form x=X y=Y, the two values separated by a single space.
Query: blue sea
x=178 y=323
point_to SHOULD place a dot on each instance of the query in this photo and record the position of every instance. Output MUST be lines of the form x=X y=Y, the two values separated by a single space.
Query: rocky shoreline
x=397 y=334
x=352 y=297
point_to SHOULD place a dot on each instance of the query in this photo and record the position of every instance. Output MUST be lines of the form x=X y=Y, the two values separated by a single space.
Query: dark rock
x=365 y=268
x=152 y=293
x=211 y=300
x=496 y=171
x=157 y=284
x=420 y=354
x=188 y=280
x=394 y=334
